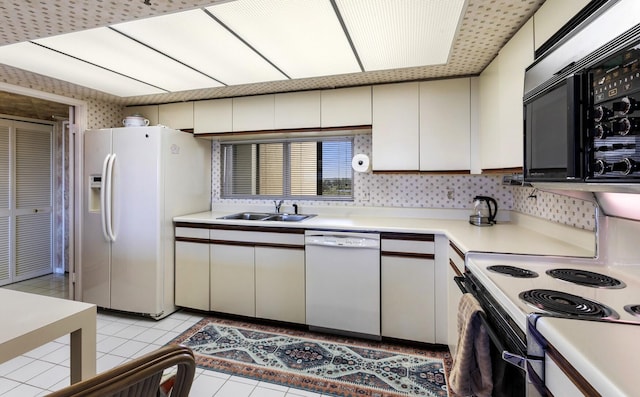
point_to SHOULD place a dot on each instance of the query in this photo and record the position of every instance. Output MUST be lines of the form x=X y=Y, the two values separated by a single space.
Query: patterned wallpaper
x=438 y=191
x=103 y=114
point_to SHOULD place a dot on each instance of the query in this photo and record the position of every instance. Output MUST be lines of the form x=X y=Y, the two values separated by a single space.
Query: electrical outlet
x=365 y=196
x=450 y=194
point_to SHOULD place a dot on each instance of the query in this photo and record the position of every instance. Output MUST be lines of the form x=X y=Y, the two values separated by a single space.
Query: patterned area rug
x=327 y=364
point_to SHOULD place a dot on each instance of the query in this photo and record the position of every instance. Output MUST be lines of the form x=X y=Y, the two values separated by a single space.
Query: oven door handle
x=459 y=280
x=513 y=359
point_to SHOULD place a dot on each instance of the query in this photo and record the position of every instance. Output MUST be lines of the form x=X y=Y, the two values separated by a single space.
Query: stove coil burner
x=633 y=310
x=513 y=271
x=568 y=305
x=586 y=278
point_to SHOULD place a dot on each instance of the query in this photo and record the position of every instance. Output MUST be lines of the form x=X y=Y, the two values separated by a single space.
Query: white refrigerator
x=135 y=180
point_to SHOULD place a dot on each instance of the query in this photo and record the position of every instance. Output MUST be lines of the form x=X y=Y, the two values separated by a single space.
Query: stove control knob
x=626 y=106
x=601 y=113
x=627 y=126
x=601 y=131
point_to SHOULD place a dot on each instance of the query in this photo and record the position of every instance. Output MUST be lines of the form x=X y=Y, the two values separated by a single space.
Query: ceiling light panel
x=303 y=38
x=36 y=59
x=112 y=50
x=196 y=39
x=401 y=33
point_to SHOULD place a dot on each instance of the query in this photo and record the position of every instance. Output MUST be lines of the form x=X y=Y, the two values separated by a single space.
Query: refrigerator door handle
x=103 y=197
x=109 y=196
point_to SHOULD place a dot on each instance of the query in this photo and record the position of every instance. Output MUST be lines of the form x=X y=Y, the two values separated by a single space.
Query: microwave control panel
x=614 y=117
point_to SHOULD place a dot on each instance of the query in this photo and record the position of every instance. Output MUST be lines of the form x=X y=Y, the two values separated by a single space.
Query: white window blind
x=312 y=168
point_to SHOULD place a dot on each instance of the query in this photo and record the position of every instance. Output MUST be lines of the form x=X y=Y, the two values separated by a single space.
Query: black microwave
x=554 y=132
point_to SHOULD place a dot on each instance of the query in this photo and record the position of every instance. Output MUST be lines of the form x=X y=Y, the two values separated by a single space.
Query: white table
x=30 y=320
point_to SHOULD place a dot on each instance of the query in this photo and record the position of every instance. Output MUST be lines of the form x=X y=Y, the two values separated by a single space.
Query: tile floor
x=120 y=338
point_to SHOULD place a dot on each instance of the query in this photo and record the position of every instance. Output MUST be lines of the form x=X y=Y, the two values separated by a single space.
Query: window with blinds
x=303 y=169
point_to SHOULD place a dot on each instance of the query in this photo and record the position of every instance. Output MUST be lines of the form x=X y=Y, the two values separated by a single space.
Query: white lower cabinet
x=247 y=273
x=192 y=268
x=280 y=284
x=192 y=277
x=232 y=279
x=408 y=287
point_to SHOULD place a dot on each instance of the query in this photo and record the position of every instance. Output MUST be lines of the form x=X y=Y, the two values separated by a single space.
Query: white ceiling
x=244 y=47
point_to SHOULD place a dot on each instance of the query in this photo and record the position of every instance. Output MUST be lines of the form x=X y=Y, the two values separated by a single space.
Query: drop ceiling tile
x=37 y=59
x=116 y=52
x=401 y=34
x=302 y=38
x=196 y=39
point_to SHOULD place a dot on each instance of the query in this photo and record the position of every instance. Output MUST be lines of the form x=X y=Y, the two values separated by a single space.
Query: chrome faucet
x=278 y=204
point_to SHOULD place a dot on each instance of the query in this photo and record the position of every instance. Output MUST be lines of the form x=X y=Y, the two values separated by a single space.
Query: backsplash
x=416 y=190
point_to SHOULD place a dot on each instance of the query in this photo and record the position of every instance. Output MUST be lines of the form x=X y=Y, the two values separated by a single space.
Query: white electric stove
x=620 y=287
x=596 y=296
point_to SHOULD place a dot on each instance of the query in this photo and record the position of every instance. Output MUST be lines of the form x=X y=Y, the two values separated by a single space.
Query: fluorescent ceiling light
x=244 y=42
x=302 y=38
x=401 y=33
x=34 y=58
x=113 y=51
x=196 y=39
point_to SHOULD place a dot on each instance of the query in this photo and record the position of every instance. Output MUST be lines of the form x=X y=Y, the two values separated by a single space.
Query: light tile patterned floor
x=120 y=338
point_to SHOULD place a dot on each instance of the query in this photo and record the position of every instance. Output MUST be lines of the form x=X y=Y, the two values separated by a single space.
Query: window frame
x=286 y=169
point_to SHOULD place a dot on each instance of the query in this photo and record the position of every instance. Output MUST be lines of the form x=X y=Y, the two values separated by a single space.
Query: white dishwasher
x=343 y=282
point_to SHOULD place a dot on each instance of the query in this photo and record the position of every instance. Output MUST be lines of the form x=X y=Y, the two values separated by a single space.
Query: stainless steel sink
x=288 y=217
x=263 y=216
x=248 y=216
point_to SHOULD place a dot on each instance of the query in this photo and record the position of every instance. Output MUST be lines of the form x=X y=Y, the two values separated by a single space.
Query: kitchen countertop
x=605 y=354
x=505 y=237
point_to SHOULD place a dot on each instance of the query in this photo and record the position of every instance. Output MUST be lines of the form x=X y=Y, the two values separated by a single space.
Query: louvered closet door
x=5 y=212
x=33 y=209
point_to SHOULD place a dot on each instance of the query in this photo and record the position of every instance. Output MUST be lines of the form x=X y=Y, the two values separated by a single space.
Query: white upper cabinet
x=297 y=110
x=254 y=113
x=213 y=116
x=178 y=116
x=396 y=128
x=445 y=125
x=346 y=107
x=552 y=15
x=501 y=111
x=150 y=112
x=489 y=131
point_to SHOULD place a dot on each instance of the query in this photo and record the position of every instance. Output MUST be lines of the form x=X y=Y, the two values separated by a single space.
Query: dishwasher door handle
x=343 y=242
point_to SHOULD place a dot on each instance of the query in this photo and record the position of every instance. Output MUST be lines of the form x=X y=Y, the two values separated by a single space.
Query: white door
x=33 y=200
x=5 y=209
x=96 y=250
x=25 y=200
x=136 y=264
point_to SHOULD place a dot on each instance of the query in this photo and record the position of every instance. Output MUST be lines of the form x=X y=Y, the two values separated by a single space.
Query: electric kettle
x=483 y=214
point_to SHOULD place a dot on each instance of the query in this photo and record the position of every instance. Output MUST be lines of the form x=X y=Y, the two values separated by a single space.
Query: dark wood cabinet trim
x=578 y=380
x=413 y=255
x=407 y=236
x=314 y=130
x=192 y=240
x=237 y=243
x=456 y=249
x=455 y=269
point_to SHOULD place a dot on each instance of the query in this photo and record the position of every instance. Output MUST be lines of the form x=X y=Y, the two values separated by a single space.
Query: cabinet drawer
x=257 y=238
x=192 y=232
